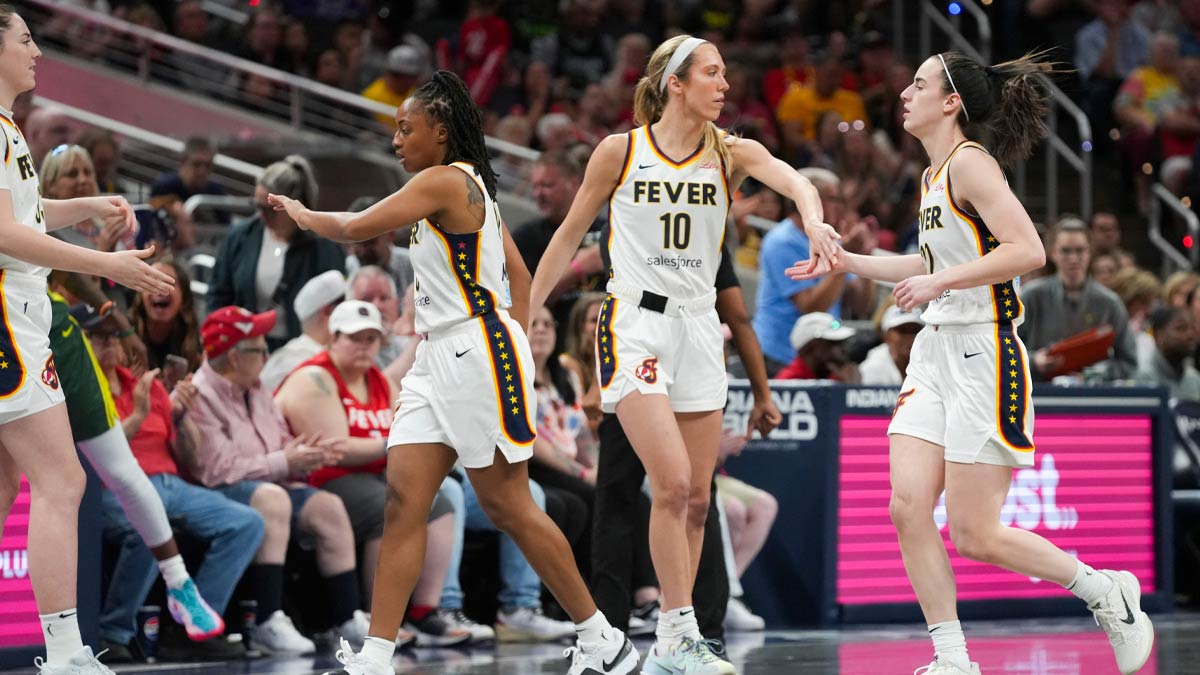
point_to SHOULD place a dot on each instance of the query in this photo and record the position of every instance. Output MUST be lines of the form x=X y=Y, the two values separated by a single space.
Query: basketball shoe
x=615 y=655
x=1120 y=615
x=689 y=657
x=946 y=668
x=81 y=662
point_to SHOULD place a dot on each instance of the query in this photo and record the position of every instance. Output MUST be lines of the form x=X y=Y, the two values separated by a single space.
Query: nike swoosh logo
x=459 y=355
x=934 y=629
x=687 y=612
x=967 y=356
x=64 y=615
x=1128 y=612
x=646 y=166
x=609 y=665
x=68 y=331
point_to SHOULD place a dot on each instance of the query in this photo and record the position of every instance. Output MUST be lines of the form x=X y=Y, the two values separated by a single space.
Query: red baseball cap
x=228 y=326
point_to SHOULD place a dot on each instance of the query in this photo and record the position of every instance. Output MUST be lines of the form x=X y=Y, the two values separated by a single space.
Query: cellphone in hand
x=174 y=369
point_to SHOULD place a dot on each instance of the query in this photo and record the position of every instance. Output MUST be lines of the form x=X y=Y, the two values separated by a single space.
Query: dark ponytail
x=1003 y=106
x=446 y=99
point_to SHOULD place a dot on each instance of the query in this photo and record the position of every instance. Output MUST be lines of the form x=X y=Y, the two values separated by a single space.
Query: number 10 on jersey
x=677 y=230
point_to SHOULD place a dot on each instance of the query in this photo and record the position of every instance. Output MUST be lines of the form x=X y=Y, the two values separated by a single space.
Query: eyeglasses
x=101 y=338
x=1073 y=250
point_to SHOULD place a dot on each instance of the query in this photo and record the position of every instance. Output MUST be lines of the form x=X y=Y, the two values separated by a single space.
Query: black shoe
x=175 y=645
x=112 y=652
x=433 y=631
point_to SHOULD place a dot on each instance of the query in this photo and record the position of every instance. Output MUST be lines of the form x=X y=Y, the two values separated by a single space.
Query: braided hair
x=445 y=98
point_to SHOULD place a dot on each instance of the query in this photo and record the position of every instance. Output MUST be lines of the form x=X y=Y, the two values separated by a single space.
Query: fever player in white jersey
x=470 y=392
x=35 y=436
x=659 y=345
x=964 y=419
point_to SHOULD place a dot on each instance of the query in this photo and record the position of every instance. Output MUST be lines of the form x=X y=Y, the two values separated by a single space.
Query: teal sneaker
x=193 y=613
x=689 y=657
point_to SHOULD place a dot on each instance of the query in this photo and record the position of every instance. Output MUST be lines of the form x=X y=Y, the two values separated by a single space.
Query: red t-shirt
x=152 y=444
x=367 y=419
x=799 y=370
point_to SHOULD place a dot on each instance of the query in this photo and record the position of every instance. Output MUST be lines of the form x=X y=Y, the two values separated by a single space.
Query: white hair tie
x=681 y=52
x=951 y=80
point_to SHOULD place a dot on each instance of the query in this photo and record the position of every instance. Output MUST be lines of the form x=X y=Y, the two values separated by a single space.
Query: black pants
x=618 y=527
x=570 y=503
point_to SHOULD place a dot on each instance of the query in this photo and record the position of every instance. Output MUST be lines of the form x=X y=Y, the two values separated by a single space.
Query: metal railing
x=1163 y=197
x=281 y=97
x=1057 y=148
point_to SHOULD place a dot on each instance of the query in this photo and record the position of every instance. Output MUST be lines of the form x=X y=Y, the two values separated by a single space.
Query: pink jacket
x=242 y=434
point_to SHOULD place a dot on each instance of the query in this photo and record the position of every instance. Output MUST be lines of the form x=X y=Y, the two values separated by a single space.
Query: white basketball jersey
x=20 y=178
x=459 y=276
x=950 y=236
x=667 y=219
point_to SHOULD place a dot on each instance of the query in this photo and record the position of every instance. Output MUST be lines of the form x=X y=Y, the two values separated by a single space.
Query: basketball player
x=470 y=392
x=659 y=345
x=964 y=419
x=35 y=436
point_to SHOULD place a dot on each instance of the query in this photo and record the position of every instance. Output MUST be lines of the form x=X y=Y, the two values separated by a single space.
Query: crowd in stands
x=237 y=412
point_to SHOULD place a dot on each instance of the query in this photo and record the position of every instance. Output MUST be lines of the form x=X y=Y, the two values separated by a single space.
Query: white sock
x=174 y=572
x=378 y=652
x=950 y=644
x=674 y=625
x=1088 y=584
x=61 y=630
x=593 y=629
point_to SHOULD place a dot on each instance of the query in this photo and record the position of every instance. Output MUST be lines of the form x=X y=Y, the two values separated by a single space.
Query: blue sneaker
x=193 y=613
x=689 y=657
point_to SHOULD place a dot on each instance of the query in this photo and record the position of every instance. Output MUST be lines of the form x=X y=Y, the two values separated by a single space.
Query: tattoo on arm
x=474 y=195
x=321 y=383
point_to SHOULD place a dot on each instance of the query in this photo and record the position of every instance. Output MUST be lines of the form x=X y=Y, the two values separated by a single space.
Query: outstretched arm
x=887 y=268
x=750 y=157
x=111 y=209
x=601 y=178
x=421 y=197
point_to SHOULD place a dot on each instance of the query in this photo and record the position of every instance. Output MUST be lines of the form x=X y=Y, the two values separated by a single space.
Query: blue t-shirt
x=775 y=313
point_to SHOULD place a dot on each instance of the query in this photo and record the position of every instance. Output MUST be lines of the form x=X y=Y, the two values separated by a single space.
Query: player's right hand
x=813 y=268
x=129 y=269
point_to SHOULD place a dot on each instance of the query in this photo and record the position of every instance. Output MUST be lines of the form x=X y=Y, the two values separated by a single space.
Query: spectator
x=1104 y=232
x=1179 y=130
x=67 y=173
x=596 y=114
x=556 y=178
x=313 y=305
x=800 y=107
x=513 y=172
x=194 y=176
x=793 y=70
x=1140 y=106
x=158 y=432
x=782 y=301
x=633 y=51
x=168 y=324
x=264 y=38
x=556 y=131
x=402 y=73
x=577 y=51
x=266 y=258
x=381 y=252
x=820 y=343
x=887 y=363
x=483 y=44
x=190 y=22
x=340 y=395
x=1104 y=269
x=744 y=111
x=247 y=454
x=1189 y=33
x=1170 y=365
x=1107 y=50
x=296 y=48
x=580 y=348
x=1179 y=287
x=371 y=284
x=46 y=128
x=1071 y=302
x=102 y=147
x=1140 y=291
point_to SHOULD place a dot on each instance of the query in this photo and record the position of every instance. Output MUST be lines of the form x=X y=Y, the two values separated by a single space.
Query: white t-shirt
x=19 y=177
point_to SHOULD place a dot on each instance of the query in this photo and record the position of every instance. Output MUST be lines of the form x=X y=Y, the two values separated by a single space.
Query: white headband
x=681 y=52
x=951 y=79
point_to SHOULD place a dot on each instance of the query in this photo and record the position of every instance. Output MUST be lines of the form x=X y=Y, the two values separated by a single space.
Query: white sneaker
x=614 y=656
x=278 y=635
x=1120 y=615
x=528 y=624
x=355 y=629
x=81 y=662
x=689 y=657
x=739 y=618
x=355 y=664
x=458 y=621
x=946 y=668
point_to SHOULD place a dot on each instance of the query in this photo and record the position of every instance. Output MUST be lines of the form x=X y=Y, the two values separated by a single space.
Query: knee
x=273 y=504
x=972 y=541
x=674 y=494
x=735 y=514
x=69 y=484
x=907 y=512
x=503 y=512
x=764 y=508
x=697 y=506
x=324 y=515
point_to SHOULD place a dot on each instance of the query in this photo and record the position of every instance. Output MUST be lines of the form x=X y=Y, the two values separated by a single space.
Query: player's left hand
x=764 y=417
x=291 y=206
x=916 y=291
x=823 y=243
x=114 y=211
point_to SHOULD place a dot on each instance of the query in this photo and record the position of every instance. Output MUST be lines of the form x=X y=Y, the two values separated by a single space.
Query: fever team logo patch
x=49 y=374
x=648 y=371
